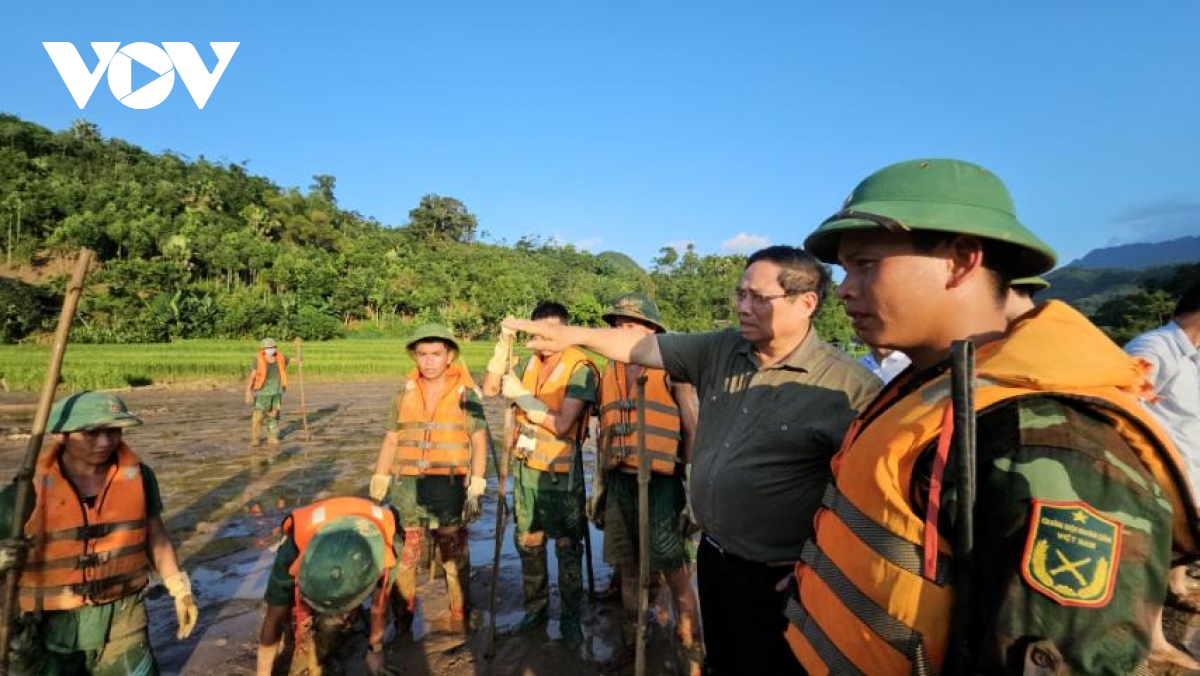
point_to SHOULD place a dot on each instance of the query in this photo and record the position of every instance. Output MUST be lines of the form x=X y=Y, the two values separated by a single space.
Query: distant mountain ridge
x=1141 y=256
x=1111 y=272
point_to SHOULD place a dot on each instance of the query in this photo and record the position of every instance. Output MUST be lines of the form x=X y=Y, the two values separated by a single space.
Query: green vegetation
x=218 y=361
x=1150 y=305
x=192 y=249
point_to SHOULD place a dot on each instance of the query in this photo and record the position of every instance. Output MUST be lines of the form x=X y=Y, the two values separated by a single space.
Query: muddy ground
x=224 y=502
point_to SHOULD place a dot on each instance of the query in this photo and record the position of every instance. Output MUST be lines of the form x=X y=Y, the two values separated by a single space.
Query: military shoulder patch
x=1071 y=553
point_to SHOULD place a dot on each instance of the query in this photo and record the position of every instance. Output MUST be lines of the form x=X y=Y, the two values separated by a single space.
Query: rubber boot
x=570 y=589
x=454 y=562
x=404 y=596
x=273 y=429
x=255 y=427
x=536 y=586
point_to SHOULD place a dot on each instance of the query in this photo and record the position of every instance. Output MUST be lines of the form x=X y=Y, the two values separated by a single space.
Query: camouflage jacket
x=1058 y=457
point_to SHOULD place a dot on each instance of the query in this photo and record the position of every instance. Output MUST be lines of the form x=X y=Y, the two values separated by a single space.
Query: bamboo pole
x=23 y=505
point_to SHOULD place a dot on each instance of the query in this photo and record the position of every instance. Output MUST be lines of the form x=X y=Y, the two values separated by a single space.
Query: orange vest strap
x=91 y=531
x=802 y=622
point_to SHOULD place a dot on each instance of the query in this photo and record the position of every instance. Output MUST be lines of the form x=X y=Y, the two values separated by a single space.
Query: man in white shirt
x=1174 y=358
x=885 y=363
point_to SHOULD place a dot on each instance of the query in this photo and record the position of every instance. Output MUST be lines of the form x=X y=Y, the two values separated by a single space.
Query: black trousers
x=743 y=615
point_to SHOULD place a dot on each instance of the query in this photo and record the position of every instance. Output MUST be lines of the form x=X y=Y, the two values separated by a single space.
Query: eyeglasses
x=758 y=300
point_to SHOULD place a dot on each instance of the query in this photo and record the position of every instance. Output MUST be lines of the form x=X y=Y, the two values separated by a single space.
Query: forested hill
x=1142 y=255
x=195 y=248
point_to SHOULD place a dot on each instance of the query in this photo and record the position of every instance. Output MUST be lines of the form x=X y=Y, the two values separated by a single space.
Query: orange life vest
x=302 y=524
x=261 y=365
x=619 y=420
x=437 y=441
x=80 y=555
x=537 y=446
x=874 y=597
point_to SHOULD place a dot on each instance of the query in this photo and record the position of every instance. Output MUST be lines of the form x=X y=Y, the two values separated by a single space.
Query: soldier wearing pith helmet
x=95 y=535
x=335 y=554
x=1079 y=493
x=431 y=466
x=264 y=389
x=1020 y=295
x=670 y=430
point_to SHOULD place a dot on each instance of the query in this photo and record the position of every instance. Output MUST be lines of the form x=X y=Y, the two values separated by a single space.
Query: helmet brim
x=610 y=318
x=1034 y=256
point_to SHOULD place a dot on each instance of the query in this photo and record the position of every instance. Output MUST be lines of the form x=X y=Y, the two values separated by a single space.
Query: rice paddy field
x=22 y=367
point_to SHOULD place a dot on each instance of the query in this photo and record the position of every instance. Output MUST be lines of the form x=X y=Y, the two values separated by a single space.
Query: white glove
x=498 y=364
x=476 y=487
x=378 y=489
x=473 y=506
x=513 y=389
x=12 y=554
x=186 y=611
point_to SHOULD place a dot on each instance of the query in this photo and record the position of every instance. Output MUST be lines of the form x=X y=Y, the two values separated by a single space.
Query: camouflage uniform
x=1078 y=492
x=329 y=637
x=267 y=398
x=552 y=504
x=106 y=637
x=1045 y=448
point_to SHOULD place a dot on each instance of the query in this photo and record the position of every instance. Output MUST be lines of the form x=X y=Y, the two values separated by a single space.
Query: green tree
x=442 y=218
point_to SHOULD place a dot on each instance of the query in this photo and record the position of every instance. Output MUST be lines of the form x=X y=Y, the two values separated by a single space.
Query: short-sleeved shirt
x=281 y=586
x=471 y=402
x=84 y=628
x=1176 y=376
x=271 y=384
x=582 y=385
x=765 y=435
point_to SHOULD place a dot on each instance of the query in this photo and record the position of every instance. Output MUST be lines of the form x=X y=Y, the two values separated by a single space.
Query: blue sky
x=629 y=125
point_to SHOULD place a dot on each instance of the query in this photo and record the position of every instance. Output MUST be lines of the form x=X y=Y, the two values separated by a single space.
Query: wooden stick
x=23 y=505
x=501 y=462
x=643 y=483
x=303 y=407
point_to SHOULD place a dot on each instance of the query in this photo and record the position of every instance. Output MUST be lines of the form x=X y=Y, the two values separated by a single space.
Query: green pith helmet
x=432 y=332
x=341 y=565
x=942 y=195
x=267 y=342
x=87 y=411
x=1030 y=285
x=635 y=306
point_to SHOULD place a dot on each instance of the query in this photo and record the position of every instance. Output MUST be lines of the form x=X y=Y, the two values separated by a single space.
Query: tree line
x=201 y=249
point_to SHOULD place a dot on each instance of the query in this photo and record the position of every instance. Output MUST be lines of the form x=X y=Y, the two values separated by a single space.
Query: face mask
x=270 y=351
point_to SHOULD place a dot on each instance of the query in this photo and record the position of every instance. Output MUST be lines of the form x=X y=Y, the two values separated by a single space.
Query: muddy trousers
x=535 y=580
x=453 y=549
x=256 y=423
x=125 y=653
x=321 y=647
x=452 y=546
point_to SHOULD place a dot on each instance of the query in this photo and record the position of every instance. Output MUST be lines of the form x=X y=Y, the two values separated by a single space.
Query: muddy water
x=224 y=501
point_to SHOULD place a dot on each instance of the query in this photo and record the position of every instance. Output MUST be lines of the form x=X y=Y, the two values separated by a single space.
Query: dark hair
x=549 y=308
x=999 y=258
x=1189 y=301
x=799 y=271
